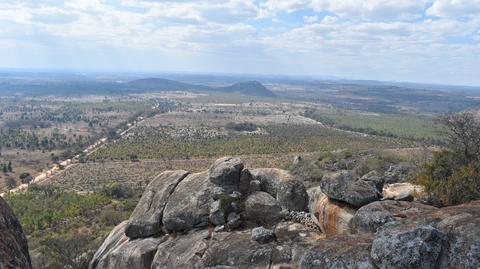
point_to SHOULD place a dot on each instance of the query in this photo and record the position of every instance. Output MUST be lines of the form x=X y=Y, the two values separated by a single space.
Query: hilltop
x=253 y=88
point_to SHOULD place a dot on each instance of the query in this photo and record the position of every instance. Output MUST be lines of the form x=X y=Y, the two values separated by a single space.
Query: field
x=418 y=128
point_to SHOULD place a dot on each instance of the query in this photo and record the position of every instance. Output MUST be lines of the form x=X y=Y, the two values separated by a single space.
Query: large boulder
x=281 y=184
x=397 y=248
x=225 y=172
x=13 y=243
x=372 y=216
x=342 y=186
x=262 y=208
x=189 y=205
x=146 y=219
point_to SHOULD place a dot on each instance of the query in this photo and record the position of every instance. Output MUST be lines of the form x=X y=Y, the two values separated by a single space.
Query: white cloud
x=455 y=8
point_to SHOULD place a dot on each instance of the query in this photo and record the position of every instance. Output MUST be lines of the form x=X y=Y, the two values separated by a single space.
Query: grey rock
x=189 y=203
x=339 y=252
x=343 y=187
x=290 y=192
x=255 y=185
x=234 y=220
x=245 y=182
x=118 y=251
x=181 y=252
x=262 y=208
x=262 y=235
x=146 y=219
x=374 y=215
x=419 y=247
x=13 y=243
x=217 y=216
x=374 y=180
x=226 y=171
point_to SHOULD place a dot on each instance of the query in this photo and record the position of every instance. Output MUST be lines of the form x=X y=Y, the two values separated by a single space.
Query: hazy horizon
x=419 y=41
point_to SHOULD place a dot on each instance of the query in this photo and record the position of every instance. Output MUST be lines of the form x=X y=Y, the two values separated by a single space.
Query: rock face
x=373 y=216
x=415 y=248
x=356 y=192
x=226 y=172
x=188 y=206
x=290 y=192
x=146 y=219
x=262 y=208
x=211 y=220
x=13 y=243
x=333 y=217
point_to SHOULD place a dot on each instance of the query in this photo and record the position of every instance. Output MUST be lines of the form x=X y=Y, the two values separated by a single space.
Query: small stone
x=233 y=220
x=235 y=195
x=219 y=229
x=262 y=235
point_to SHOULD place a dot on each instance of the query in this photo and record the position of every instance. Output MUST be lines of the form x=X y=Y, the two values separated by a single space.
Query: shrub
x=449 y=180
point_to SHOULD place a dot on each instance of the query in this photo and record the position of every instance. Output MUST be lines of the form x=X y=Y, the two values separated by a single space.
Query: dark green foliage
x=117 y=191
x=241 y=127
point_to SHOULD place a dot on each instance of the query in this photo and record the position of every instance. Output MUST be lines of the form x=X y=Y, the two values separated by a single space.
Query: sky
x=433 y=41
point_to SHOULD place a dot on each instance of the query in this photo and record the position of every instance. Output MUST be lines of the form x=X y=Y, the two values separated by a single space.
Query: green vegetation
x=453 y=175
x=42 y=206
x=61 y=225
x=418 y=128
x=151 y=143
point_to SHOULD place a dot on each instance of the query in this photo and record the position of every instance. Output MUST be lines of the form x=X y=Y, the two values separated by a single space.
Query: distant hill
x=160 y=84
x=253 y=88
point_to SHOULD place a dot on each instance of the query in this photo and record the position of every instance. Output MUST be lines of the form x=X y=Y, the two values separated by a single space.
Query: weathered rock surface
x=13 y=243
x=262 y=235
x=290 y=192
x=372 y=216
x=226 y=172
x=419 y=247
x=188 y=206
x=146 y=219
x=262 y=208
x=343 y=187
x=381 y=234
x=339 y=252
x=333 y=217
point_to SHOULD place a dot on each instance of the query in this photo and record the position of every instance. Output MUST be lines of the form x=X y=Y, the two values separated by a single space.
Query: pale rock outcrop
x=146 y=219
x=188 y=205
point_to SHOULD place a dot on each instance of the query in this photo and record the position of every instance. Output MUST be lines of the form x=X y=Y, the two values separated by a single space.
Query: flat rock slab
x=343 y=187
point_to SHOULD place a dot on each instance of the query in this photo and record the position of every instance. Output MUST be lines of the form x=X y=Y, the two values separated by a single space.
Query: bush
x=241 y=127
x=448 y=180
x=117 y=191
